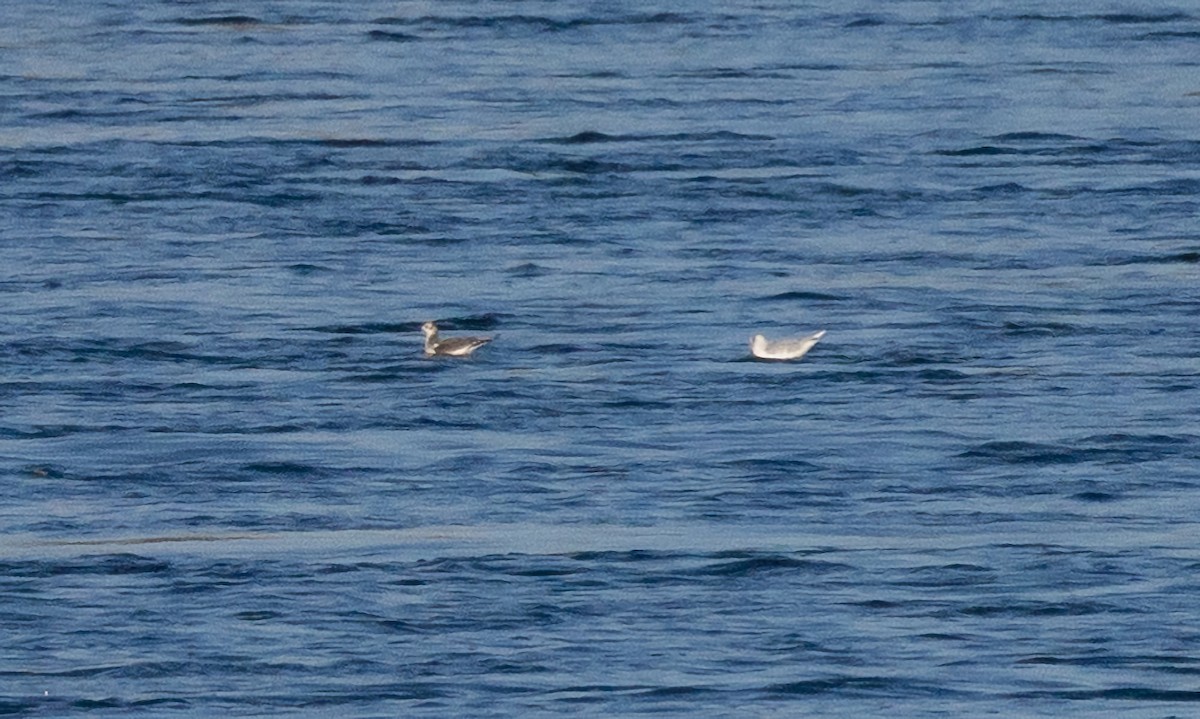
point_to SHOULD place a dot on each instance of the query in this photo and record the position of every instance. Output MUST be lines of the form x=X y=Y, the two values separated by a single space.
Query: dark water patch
x=865 y=22
x=270 y=199
x=592 y=137
x=532 y=23
x=733 y=73
x=1052 y=152
x=1035 y=609
x=802 y=296
x=501 y=23
x=19 y=707
x=106 y=565
x=950 y=575
x=1037 y=137
x=1005 y=188
x=154 y=351
x=1166 y=663
x=1095 y=497
x=985 y=150
x=400 y=626
x=677 y=692
x=878 y=605
x=282 y=469
x=1041 y=329
x=54 y=431
x=944 y=376
x=79 y=114
x=1143 y=18
x=371 y=180
x=771 y=468
x=560 y=348
x=1163 y=188
x=1129 y=694
x=530 y=270
x=858 y=686
x=766 y=565
x=585 y=166
x=220 y=21
x=391 y=375
x=477 y=323
x=257 y=99
x=385 y=36
x=363 y=142
x=271 y=145
x=587 y=137
x=634 y=556
x=257 y=615
x=1190 y=257
x=1111 y=449
x=1125 y=439
x=1111 y=18
x=1017 y=452
x=908 y=358
x=306 y=269
x=1171 y=35
x=368 y=328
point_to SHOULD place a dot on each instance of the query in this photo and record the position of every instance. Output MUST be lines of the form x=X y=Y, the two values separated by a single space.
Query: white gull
x=452 y=346
x=785 y=349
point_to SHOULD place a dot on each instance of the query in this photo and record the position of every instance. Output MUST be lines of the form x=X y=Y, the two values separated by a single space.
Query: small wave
x=385 y=36
x=1049 y=329
x=1180 y=187
x=532 y=23
x=801 y=296
x=283 y=468
x=305 y=269
x=1171 y=34
x=367 y=328
x=529 y=270
x=753 y=566
x=559 y=348
x=859 y=686
x=979 y=150
x=1016 y=452
x=105 y=564
x=865 y=22
x=1004 y=188
x=1144 y=694
x=1108 y=449
x=1094 y=496
x=220 y=21
x=950 y=575
x=1112 y=18
x=592 y=137
x=1036 y=137
x=1041 y=609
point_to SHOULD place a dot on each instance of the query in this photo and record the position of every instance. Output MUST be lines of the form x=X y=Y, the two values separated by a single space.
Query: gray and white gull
x=450 y=346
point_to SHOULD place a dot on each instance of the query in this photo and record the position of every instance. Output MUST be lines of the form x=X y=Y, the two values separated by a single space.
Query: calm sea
x=232 y=485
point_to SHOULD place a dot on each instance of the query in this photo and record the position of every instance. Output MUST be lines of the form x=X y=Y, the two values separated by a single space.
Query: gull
x=784 y=349
x=453 y=346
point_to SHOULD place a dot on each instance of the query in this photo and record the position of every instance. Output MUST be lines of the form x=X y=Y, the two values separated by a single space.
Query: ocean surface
x=232 y=485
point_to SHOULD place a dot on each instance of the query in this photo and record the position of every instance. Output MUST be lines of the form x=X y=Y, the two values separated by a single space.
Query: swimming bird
x=453 y=346
x=784 y=349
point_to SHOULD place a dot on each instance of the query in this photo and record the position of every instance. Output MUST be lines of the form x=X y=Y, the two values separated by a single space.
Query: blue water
x=233 y=485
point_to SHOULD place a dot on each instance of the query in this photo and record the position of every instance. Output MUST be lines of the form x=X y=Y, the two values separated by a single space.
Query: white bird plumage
x=784 y=349
x=452 y=346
